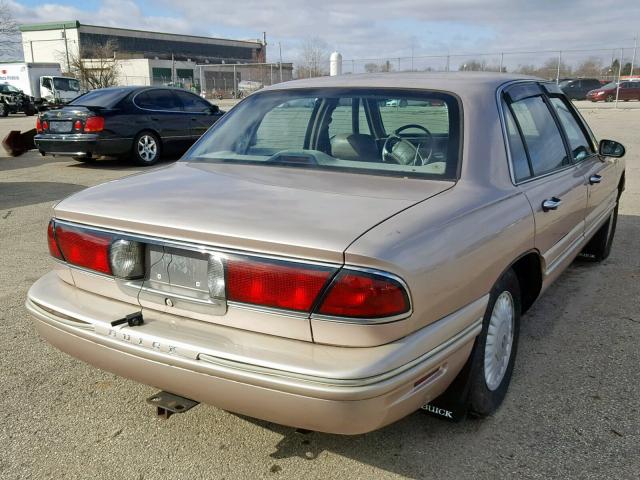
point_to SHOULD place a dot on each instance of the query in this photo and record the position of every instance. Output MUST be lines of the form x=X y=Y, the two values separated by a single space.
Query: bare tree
x=371 y=67
x=591 y=67
x=314 y=58
x=99 y=70
x=9 y=33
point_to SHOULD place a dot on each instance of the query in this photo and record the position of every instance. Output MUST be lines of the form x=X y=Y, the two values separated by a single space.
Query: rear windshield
x=107 y=98
x=375 y=131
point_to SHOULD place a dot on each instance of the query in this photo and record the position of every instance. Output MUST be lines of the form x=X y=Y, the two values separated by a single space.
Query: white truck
x=41 y=81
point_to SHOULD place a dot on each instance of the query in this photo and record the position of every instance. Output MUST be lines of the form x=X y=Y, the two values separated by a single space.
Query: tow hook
x=167 y=404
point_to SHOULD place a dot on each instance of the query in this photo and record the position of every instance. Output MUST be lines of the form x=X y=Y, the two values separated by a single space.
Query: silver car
x=323 y=259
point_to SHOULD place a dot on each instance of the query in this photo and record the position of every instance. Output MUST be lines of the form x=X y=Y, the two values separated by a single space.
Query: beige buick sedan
x=336 y=253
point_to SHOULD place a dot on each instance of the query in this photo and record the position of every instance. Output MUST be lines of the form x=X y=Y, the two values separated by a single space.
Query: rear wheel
x=599 y=247
x=496 y=347
x=146 y=149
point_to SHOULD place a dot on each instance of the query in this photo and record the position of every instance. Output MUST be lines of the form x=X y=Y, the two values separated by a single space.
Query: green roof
x=32 y=27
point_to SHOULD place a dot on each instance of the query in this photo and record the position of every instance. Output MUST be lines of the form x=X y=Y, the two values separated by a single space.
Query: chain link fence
x=238 y=80
x=603 y=64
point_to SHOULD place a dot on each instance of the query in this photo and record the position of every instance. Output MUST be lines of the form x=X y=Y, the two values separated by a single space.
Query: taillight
x=77 y=125
x=38 y=125
x=45 y=125
x=94 y=124
x=358 y=294
x=84 y=249
x=54 y=250
x=286 y=285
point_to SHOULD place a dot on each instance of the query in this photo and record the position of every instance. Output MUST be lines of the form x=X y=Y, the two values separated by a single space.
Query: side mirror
x=611 y=148
x=214 y=110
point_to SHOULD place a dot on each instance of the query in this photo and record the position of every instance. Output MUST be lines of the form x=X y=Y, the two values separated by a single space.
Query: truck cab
x=58 y=90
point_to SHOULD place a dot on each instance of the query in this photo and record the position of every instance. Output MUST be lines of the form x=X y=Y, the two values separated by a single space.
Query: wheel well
x=528 y=269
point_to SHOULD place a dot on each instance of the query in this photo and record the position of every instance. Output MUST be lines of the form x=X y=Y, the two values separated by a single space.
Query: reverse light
x=358 y=294
x=277 y=284
x=94 y=124
x=84 y=249
x=45 y=125
x=126 y=259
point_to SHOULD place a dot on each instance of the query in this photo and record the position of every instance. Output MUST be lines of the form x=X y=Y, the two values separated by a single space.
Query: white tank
x=335 y=64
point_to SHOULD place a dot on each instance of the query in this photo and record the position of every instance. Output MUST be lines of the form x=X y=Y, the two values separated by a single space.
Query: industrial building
x=144 y=58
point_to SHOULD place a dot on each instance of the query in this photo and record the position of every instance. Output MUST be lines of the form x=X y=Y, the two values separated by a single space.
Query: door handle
x=551 y=204
x=593 y=179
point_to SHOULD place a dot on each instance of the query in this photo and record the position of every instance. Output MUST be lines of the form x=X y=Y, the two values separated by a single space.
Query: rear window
x=373 y=131
x=106 y=97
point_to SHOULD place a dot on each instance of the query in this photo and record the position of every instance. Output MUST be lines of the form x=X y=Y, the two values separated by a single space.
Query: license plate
x=60 y=127
x=170 y=267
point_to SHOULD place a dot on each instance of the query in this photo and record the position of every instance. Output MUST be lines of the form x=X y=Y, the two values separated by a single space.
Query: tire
x=610 y=98
x=4 y=112
x=30 y=111
x=146 y=149
x=599 y=247
x=490 y=378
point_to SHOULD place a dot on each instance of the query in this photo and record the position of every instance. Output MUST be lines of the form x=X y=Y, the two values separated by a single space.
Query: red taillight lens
x=45 y=125
x=77 y=125
x=94 y=124
x=54 y=250
x=275 y=284
x=38 y=125
x=84 y=249
x=364 y=295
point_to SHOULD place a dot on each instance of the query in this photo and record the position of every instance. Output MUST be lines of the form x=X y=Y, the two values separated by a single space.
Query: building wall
x=49 y=45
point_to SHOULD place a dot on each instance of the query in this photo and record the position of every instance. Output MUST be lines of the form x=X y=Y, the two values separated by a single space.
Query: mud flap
x=453 y=404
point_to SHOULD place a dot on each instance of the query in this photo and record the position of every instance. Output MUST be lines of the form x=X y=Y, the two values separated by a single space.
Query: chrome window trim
x=505 y=137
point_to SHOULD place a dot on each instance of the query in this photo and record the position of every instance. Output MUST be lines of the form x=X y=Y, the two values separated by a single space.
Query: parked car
x=629 y=90
x=140 y=123
x=577 y=88
x=14 y=100
x=340 y=267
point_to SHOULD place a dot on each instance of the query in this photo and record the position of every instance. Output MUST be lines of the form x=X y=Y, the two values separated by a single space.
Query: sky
x=364 y=29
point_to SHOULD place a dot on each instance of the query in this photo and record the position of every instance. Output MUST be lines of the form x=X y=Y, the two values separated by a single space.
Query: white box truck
x=41 y=81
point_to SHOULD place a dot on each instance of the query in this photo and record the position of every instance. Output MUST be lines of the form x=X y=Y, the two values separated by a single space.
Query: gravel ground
x=573 y=409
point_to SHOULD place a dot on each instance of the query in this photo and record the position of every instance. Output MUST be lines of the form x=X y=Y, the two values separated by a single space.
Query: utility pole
x=619 y=73
x=66 y=47
x=559 y=62
x=501 y=61
x=633 y=58
x=280 y=48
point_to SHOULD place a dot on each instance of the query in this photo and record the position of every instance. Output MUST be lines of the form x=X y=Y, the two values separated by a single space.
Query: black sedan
x=137 y=122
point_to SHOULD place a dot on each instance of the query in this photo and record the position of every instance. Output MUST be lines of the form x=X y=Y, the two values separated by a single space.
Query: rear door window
x=158 y=99
x=541 y=135
x=519 y=159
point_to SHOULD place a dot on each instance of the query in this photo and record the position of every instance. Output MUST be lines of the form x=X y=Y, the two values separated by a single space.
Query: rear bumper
x=81 y=144
x=150 y=354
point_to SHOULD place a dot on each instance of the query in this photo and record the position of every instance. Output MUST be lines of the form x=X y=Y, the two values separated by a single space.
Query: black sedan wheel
x=146 y=149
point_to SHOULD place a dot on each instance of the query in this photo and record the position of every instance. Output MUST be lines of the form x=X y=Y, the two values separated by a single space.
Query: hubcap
x=497 y=350
x=147 y=148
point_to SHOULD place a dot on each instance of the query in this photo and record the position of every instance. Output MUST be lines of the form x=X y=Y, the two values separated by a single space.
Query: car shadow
x=20 y=194
x=27 y=161
x=119 y=163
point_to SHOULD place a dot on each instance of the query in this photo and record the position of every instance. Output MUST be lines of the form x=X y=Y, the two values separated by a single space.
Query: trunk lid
x=274 y=210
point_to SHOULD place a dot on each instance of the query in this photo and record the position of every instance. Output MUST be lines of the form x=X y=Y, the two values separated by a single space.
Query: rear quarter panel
x=450 y=250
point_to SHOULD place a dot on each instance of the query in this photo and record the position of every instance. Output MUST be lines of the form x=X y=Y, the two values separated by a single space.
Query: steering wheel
x=400 y=150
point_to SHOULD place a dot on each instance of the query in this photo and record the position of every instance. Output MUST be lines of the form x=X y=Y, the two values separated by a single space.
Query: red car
x=629 y=90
